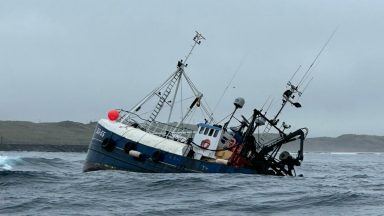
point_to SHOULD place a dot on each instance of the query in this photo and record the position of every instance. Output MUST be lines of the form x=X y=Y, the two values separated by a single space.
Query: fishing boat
x=136 y=140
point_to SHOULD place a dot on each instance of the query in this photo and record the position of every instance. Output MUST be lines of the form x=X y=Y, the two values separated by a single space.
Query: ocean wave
x=33 y=163
x=7 y=162
x=360 y=176
x=11 y=178
x=333 y=184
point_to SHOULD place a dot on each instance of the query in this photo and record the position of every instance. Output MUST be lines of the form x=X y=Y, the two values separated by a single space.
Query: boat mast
x=197 y=41
x=176 y=79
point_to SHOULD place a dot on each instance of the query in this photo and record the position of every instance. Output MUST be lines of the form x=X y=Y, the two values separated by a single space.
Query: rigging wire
x=203 y=114
x=224 y=118
x=229 y=83
x=209 y=117
x=153 y=92
x=191 y=84
x=208 y=110
x=197 y=94
x=192 y=114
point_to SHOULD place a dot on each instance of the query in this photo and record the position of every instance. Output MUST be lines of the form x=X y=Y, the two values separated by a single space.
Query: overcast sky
x=75 y=60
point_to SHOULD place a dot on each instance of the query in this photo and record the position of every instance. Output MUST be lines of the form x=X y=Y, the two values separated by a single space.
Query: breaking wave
x=6 y=162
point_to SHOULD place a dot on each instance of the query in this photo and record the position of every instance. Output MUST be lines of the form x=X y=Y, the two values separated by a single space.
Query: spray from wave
x=7 y=163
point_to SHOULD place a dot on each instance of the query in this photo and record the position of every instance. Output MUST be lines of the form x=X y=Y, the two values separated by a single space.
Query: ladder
x=165 y=95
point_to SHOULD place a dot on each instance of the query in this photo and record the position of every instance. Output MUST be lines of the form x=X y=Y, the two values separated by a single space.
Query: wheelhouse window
x=216 y=133
x=206 y=131
x=211 y=132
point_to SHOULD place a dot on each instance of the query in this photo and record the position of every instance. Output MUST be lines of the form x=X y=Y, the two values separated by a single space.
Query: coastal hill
x=74 y=136
x=348 y=142
x=343 y=143
x=57 y=136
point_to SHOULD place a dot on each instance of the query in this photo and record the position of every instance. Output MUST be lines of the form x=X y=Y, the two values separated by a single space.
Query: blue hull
x=151 y=161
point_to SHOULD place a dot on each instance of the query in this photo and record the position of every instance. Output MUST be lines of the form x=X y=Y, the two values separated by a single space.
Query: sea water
x=37 y=183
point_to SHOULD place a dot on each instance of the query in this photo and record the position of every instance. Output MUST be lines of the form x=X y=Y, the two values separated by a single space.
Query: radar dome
x=239 y=102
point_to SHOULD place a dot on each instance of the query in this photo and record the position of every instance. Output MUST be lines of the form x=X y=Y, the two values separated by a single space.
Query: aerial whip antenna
x=269 y=106
x=314 y=61
x=289 y=95
x=197 y=39
x=295 y=73
x=265 y=103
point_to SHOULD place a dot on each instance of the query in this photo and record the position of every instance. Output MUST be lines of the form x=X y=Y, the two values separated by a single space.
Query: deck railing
x=180 y=134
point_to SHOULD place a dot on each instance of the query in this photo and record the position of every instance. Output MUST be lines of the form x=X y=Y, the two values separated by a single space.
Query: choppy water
x=35 y=183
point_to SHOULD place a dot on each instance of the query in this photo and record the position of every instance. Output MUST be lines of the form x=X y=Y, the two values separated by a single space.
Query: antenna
x=265 y=103
x=239 y=103
x=294 y=73
x=322 y=49
x=290 y=94
x=197 y=39
x=269 y=106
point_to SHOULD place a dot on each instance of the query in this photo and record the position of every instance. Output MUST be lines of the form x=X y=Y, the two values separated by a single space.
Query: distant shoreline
x=44 y=148
x=84 y=148
x=68 y=136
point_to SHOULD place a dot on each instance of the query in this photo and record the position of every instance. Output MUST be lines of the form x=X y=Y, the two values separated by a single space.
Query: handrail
x=180 y=134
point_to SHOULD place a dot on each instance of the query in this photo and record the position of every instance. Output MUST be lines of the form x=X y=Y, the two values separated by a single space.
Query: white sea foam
x=6 y=162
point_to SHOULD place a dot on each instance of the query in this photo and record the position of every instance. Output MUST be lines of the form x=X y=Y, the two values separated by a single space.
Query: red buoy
x=113 y=115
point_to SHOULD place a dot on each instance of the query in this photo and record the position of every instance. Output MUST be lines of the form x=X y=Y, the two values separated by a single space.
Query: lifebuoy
x=232 y=142
x=108 y=144
x=156 y=156
x=205 y=143
x=129 y=146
